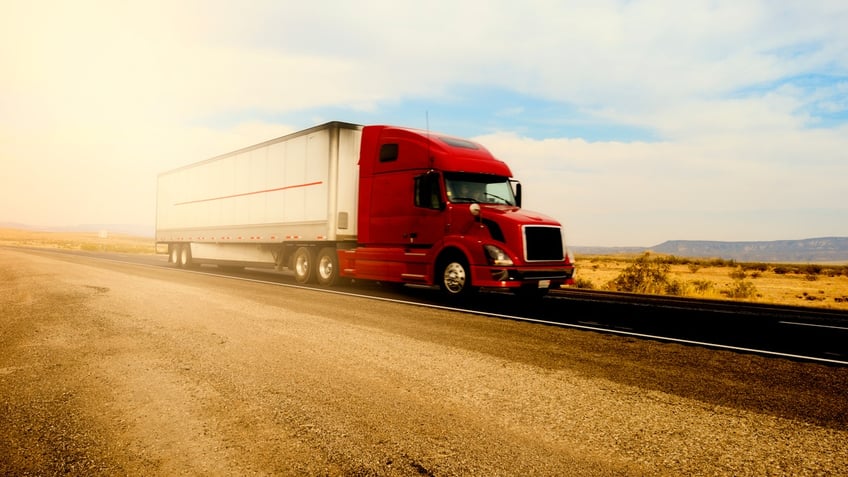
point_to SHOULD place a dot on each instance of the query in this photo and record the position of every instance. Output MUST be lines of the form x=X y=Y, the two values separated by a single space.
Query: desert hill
x=812 y=250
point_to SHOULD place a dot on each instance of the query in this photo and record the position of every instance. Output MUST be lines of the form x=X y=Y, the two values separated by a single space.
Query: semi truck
x=379 y=203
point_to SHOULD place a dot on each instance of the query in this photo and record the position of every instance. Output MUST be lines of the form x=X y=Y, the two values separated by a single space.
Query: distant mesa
x=812 y=250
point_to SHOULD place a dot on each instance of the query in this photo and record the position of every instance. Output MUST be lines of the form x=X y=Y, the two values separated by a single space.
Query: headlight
x=497 y=256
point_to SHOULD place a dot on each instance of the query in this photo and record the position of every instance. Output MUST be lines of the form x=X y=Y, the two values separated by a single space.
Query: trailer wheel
x=455 y=277
x=174 y=254
x=184 y=260
x=304 y=271
x=328 y=267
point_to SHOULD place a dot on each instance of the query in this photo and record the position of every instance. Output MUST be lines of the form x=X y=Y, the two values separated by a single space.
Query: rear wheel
x=304 y=270
x=174 y=254
x=184 y=260
x=328 y=267
x=455 y=277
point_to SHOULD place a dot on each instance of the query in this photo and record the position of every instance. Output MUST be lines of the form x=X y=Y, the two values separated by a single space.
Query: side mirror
x=517 y=193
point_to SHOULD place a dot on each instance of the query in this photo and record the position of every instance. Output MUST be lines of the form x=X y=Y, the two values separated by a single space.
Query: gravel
x=108 y=369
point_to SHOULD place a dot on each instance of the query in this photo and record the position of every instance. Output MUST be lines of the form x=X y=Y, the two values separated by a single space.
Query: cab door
x=427 y=217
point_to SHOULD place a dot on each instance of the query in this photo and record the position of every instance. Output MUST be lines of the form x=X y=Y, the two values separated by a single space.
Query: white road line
x=674 y=340
x=845 y=328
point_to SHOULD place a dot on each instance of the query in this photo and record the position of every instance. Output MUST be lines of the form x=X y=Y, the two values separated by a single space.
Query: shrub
x=740 y=289
x=702 y=286
x=677 y=288
x=759 y=267
x=812 y=269
x=645 y=276
x=738 y=274
x=835 y=271
x=584 y=283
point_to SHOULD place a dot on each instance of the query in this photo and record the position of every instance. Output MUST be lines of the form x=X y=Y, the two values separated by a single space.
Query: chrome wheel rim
x=454 y=277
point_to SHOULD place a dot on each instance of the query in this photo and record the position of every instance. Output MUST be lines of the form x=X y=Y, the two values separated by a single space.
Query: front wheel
x=455 y=277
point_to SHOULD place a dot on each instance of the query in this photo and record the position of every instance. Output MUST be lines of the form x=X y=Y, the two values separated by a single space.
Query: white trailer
x=257 y=206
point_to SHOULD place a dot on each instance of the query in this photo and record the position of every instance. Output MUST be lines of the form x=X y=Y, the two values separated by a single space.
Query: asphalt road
x=795 y=332
x=112 y=368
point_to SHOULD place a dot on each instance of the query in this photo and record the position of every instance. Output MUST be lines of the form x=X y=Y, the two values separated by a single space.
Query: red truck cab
x=440 y=210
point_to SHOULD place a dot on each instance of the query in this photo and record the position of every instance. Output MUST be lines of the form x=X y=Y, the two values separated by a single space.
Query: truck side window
x=388 y=152
x=427 y=192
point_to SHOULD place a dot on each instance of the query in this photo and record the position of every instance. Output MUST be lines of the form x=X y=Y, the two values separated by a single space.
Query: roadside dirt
x=114 y=369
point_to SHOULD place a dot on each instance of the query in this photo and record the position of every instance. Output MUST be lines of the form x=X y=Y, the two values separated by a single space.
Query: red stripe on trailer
x=308 y=184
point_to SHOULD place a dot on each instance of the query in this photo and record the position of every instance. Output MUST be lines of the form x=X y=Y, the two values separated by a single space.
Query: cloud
x=684 y=181
x=613 y=59
x=712 y=106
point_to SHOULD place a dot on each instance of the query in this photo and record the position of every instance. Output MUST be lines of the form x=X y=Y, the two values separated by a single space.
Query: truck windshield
x=485 y=189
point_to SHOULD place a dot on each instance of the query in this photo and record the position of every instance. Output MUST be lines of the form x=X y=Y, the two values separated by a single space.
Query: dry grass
x=703 y=280
x=90 y=241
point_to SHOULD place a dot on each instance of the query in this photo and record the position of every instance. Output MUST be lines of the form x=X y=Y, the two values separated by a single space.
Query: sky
x=631 y=122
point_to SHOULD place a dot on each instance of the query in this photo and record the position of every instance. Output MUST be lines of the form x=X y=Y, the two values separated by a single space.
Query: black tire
x=174 y=254
x=303 y=265
x=454 y=277
x=327 y=269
